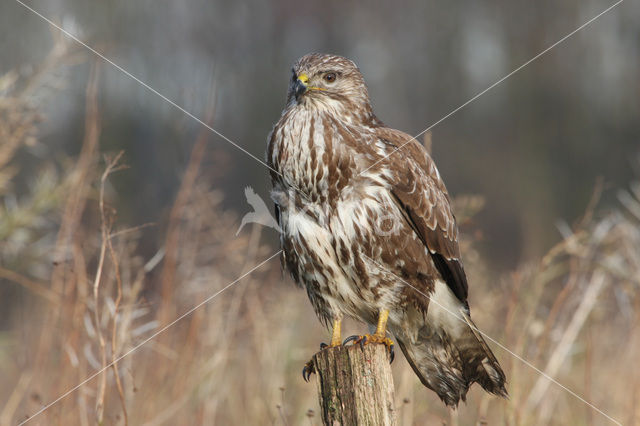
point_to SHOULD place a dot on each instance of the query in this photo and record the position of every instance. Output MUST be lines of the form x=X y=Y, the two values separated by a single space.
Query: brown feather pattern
x=363 y=230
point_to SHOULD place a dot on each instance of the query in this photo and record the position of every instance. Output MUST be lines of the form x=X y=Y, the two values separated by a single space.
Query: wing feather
x=421 y=194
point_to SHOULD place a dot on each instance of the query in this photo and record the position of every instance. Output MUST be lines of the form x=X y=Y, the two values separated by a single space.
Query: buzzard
x=371 y=235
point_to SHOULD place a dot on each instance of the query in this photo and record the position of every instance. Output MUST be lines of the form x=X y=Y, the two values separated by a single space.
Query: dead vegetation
x=88 y=297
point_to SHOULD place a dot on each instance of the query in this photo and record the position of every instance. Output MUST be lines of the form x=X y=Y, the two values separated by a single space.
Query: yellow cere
x=304 y=78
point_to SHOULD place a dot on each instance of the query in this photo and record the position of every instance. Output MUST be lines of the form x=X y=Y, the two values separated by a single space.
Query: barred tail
x=450 y=365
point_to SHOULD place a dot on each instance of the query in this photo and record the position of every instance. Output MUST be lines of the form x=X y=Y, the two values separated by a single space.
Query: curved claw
x=323 y=346
x=308 y=369
x=363 y=341
x=350 y=339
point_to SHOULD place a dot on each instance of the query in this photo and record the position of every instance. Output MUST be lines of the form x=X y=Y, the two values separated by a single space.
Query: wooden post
x=355 y=386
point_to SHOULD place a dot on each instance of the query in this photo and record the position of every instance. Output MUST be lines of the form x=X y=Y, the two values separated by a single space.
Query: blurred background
x=119 y=211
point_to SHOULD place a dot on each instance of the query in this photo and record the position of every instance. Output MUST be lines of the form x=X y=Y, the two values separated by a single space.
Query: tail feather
x=449 y=363
x=489 y=374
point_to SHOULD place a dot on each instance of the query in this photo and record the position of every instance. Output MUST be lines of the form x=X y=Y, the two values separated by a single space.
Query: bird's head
x=328 y=82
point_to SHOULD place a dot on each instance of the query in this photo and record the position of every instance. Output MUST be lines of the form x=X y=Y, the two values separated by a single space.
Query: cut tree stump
x=355 y=385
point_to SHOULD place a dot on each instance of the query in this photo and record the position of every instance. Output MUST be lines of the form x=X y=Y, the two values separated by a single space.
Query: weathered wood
x=355 y=386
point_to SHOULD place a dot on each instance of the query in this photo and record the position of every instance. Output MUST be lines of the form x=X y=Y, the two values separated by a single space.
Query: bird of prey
x=367 y=229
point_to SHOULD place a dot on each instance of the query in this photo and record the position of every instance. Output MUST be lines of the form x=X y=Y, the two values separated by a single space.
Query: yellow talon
x=380 y=335
x=336 y=336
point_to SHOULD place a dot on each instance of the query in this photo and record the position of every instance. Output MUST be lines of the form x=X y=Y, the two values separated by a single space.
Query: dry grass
x=90 y=297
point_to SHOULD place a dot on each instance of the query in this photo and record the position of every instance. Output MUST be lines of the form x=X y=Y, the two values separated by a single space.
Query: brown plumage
x=367 y=232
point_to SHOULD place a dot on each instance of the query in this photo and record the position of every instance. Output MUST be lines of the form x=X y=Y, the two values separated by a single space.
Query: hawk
x=367 y=229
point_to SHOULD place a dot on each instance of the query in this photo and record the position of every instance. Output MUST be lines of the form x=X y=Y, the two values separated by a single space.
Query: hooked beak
x=301 y=85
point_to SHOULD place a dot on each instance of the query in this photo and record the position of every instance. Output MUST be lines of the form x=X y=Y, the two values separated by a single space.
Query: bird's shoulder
x=421 y=196
x=404 y=154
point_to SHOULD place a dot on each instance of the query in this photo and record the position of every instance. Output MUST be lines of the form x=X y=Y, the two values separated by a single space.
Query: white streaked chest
x=300 y=151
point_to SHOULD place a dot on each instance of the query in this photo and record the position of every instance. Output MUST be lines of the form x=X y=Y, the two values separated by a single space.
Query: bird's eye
x=330 y=77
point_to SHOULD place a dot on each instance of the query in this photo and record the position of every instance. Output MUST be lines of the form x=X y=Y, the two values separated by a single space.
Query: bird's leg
x=336 y=334
x=336 y=337
x=380 y=335
x=381 y=329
